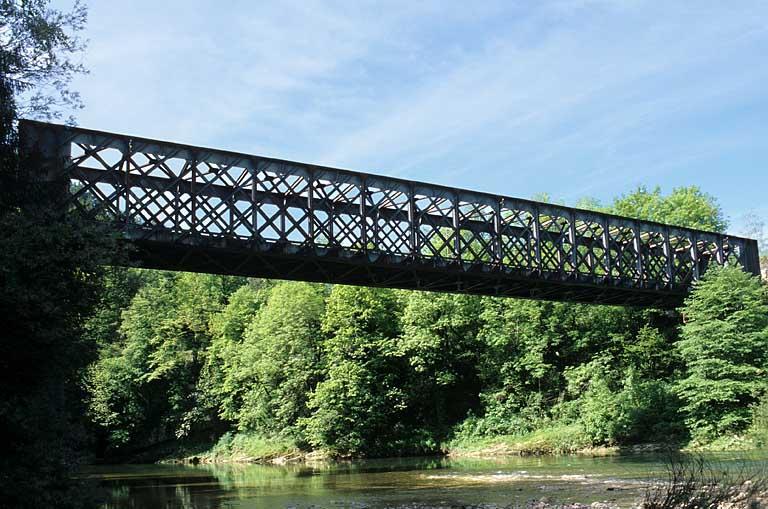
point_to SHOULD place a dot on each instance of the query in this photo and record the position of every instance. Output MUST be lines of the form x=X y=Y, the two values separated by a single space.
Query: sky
x=573 y=98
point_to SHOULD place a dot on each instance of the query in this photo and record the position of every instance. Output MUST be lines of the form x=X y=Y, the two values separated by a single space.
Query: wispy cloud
x=573 y=97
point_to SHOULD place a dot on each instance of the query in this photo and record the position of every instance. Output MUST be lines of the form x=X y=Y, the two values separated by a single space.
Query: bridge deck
x=198 y=209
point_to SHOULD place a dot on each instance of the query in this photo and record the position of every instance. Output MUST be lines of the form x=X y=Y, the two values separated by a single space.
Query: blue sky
x=569 y=97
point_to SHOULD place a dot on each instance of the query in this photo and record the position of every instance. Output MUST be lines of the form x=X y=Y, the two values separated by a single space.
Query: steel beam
x=199 y=209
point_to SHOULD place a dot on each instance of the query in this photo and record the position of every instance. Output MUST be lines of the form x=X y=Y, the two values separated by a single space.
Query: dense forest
x=259 y=368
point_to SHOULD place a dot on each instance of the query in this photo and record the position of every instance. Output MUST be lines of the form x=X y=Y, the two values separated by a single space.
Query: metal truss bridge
x=197 y=209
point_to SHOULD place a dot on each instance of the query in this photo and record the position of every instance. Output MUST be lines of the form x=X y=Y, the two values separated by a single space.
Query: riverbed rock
x=543 y=503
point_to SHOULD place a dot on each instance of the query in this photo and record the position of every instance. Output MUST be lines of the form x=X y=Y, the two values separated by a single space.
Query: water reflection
x=381 y=483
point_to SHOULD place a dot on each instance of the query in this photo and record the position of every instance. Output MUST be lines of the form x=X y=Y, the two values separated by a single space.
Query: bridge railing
x=146 y=187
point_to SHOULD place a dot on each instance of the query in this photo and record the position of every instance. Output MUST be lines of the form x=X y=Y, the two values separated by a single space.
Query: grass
x=552 y=439
x=558 y=439
x=252 y=447
x=555 y=439
x=724 y=443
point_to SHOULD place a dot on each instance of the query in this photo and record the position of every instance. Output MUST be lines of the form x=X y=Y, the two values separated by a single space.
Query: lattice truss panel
x=147 y=187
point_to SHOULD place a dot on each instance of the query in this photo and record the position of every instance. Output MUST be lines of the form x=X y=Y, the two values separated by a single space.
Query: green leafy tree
x=597 y=403
x=38 y=51
x=724 y=345
x=279 y=360
x=145 y=388
x=684 y=206
x=119 y=286
x=518 y=368
x=440 y=343
x=616 y=406
x=754 y=228
x=220 y=386
x=532 y=343
x=650 y=353
x=357 y=407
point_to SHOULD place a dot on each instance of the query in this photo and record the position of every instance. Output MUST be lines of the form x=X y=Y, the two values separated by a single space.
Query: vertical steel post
x=363 y=222
x=637 y=244
x=752 y=256
x=193 y=195
x=331 y=221
x=127 y=160
x=282 y=210
x=177 y=200
x=456 y=229
x=720 y=256
x=606 y=238
x=415 y=251
x=695 y=256
x=668 y=254
x=311 y=207
x=254 y=184
x=497 y=253
x=572 y=234
x=537 y=238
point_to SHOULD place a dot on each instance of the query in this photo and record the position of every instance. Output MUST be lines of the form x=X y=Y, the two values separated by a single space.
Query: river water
x=414 y=482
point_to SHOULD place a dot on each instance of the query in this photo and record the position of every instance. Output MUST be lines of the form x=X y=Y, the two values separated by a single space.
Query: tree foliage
x=684 y=206
x=724 y=345
x=157 y=360
x=440 y=342
x=356 y=407
x=38 y=53
x=279 y=360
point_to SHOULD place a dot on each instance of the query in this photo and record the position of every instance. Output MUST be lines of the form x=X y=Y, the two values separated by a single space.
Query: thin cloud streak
x=571 y=97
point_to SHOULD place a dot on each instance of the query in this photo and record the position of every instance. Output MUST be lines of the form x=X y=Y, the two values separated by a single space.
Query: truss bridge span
x=198 y=209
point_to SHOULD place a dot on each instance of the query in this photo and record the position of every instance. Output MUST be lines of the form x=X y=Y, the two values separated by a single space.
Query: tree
x=38 y=46
x=685 y=206
x=119 y=286
x=278 y=363
x=754 y=228
x=358 y=406
x=144 y=389
x=220 y=386
x=439 y=341
x=52 y=270
x=650 y=353
x=724 y=345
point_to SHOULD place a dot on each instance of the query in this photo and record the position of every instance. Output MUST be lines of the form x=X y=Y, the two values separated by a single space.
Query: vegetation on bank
x=267 y=369
x=554 y=439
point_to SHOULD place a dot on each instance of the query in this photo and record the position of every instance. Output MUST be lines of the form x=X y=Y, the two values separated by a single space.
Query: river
x=418 y=482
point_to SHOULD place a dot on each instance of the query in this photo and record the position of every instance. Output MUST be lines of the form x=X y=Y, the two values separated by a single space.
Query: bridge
x=197 y=209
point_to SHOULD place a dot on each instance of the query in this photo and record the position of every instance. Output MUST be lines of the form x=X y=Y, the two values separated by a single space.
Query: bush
x=759 y=429
x=557 y=439
x=253 y=447
x=624 y=411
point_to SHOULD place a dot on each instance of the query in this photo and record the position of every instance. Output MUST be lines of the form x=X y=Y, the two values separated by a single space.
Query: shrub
x=759 y=429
